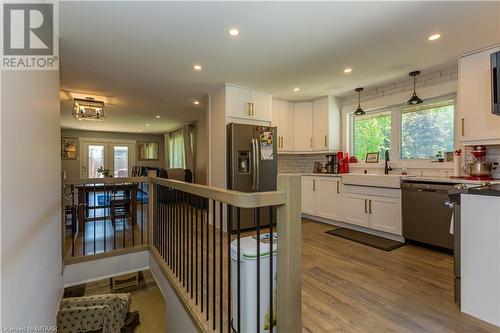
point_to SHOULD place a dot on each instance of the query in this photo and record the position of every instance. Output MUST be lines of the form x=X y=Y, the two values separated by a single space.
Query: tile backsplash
x=302 y=163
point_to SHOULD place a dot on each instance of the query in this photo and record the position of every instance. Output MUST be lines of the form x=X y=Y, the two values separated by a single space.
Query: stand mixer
x=480 y=169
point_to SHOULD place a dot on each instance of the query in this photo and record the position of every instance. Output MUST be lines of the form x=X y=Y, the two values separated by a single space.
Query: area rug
x=366 y=239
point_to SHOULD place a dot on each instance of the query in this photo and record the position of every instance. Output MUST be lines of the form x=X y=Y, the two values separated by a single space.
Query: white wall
x=107 y=267
x=31 y=260
x=177 y=319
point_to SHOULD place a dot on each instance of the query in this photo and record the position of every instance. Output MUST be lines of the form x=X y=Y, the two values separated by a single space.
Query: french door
x=116 y=157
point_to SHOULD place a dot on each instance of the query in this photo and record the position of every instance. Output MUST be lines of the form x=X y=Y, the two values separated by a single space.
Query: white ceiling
x=138 y=57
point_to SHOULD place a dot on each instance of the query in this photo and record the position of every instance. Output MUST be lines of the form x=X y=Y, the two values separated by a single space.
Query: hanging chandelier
x=359 y=111
x=414 y=100
x=88 y=109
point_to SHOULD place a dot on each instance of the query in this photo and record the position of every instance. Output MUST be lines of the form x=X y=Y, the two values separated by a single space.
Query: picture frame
x=69 y=148
x=372 y=157
x=147 y=151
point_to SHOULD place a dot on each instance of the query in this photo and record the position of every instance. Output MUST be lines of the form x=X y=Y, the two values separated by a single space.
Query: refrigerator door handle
x=254 y=166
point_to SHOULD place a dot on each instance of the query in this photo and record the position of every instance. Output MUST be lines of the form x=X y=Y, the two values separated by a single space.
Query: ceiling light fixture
x=414 y=100
x=196 y=102
x=359 y=111
x=157 y=117
x=234 y=32
x=88 y=109
x=434 y=36
x=296 y=89
x=147 y=125
x=197 y=67
x=348 y=70
x=139 y=130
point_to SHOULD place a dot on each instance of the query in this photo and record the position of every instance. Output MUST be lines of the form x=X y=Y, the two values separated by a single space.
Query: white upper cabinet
x=307 y=126
x=303 y=126
x=248 y=104
x=326 y=124
x=476 y=122
x=283 y=119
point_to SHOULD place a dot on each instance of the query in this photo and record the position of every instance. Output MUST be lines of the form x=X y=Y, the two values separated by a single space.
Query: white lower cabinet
x=385 y=214
x=321 y=196
x=373 y=207
x=308 y=195
x=355 y=208
x=328 y=194
x=369 y=207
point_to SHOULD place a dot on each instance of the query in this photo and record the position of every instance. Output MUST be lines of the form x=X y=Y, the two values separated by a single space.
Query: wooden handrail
x=230 y=197
x=106 y=180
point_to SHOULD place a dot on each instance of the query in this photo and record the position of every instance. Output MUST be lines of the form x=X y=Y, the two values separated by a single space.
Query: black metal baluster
x=183 y=239
x=238 y=268
x=124 y=216
x=113 y=217
x=271 y=275
x=94 y=217
x=257 y=218
x=196 y=201
x=207 y=264
x=191 y=244
x=133 y=211
x=74 y=223
x=175 y=232
x=202 y=219
x=160 y=216
x=84 y=208
x=141 y=188
x=167 y=203
x=106 y=199
x=229 y=229
x=221 y=293
x=214 y=259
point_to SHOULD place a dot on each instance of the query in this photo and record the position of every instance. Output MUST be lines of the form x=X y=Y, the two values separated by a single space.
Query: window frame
x=394 y=154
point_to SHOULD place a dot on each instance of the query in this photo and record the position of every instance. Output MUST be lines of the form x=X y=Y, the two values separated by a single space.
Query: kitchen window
x=371 y=134
x=427 y=130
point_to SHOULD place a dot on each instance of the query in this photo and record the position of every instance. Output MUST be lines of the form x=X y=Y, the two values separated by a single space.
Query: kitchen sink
x=389 y=181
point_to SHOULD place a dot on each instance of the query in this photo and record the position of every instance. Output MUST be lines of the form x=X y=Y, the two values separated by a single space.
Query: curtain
x=180 y=148
x=176 y=150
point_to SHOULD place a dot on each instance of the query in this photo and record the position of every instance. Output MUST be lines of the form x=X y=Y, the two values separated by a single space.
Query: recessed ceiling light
x=348 y=70
x=296 y=89
x=82 y=126
x=157 y=117
x=197 y=67
x=147 y=125
x=434 y=37
x=196 y=102
x=139 y=130
x=234 y=32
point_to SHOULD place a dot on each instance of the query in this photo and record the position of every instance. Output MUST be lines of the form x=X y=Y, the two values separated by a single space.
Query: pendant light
x=414 y=100
x=359 y=111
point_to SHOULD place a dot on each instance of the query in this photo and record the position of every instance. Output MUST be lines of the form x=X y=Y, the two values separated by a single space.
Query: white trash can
x=248 y=283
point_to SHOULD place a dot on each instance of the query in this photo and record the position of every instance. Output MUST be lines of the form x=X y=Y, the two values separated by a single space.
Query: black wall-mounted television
x=495 y=82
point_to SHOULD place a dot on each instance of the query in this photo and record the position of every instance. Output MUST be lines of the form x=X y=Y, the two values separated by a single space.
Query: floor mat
x=366 y=239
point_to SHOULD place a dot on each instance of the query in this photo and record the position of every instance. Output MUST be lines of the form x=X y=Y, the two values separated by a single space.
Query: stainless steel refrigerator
x=252 y=166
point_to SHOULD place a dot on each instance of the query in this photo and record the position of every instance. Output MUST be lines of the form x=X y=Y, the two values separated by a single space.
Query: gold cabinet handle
x=338 y=187
x=326 y=139
x=249 y=109
x=365 y=206
x=282 y=142
x=311 y=139
x=314 y=184
x=463 y=126
x=253 y=109
x=370 y=206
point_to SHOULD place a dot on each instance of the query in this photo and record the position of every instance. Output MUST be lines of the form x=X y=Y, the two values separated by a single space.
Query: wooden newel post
x=289 y=316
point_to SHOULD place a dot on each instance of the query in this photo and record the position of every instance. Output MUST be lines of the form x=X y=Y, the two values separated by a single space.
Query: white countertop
x=448 y=180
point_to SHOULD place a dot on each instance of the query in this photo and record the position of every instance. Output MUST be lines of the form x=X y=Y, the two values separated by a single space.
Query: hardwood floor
x=350 y=287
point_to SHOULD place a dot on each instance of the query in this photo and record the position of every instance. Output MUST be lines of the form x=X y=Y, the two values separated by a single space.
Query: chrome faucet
x=387 y=168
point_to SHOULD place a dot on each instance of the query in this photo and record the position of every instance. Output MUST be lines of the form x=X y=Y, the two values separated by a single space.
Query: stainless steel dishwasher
x=425 y=217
